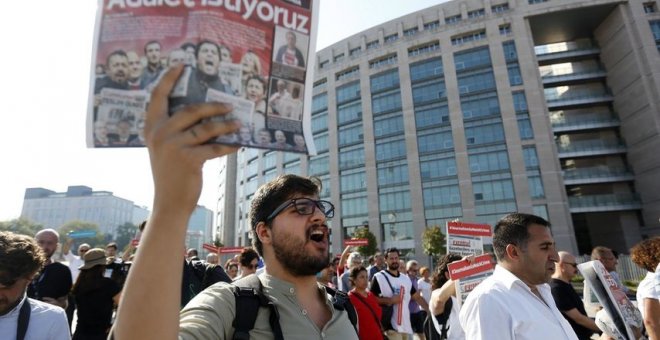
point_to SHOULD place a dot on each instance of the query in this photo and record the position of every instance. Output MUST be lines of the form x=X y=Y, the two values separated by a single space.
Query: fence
x=626 y=268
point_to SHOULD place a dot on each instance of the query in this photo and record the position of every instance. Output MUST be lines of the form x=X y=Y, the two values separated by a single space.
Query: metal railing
x=596 y=172
x=590 y=145
x=585 y=121
x=628 y=200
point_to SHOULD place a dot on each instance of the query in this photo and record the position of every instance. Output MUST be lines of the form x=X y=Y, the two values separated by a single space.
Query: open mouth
x=317 y=235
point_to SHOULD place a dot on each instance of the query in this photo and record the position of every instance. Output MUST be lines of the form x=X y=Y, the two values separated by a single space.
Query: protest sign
x=466 y=238
x=468 y=275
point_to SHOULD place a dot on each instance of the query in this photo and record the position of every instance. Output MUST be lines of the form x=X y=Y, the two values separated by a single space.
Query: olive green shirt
x=211 y=313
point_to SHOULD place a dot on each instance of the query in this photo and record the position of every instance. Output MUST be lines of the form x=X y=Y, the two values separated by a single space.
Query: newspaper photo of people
x=255 y=58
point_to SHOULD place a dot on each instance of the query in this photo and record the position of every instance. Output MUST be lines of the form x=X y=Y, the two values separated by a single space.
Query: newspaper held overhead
x=621 y=315
x=254 y=54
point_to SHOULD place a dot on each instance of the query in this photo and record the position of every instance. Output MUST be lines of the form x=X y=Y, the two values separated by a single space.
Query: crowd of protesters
x=299 y=291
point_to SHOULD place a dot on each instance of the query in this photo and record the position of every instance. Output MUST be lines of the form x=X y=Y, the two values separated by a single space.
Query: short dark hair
x=206 y=41
x=111 y=245
x=151 y=42
x=246 y=257
x=513 y=229
x=270 y=195
x=392 y=250
x=120 y=53
x=355 y=271
x=186 y=45
x=20 y=257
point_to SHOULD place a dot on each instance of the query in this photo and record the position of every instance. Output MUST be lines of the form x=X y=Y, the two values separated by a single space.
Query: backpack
x=198 y=276
x=429 y=329
x=249 y=296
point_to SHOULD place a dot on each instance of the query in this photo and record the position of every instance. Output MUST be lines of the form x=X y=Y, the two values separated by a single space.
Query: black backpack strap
x=248 y=293
x=341 y=301
x=23 y=320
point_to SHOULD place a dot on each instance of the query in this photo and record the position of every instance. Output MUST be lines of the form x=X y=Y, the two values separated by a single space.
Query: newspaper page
x=466 y=238
x=623 y=315
x=256 y=54
x=468 y=275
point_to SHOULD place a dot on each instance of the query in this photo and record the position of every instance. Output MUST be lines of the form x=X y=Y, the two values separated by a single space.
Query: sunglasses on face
x=305 y=206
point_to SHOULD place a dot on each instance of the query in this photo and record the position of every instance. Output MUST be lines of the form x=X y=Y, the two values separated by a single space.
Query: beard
x=393 y=266
x=291 y=253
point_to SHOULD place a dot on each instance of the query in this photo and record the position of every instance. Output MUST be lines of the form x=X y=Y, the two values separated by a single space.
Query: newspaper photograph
x=622 y=317
x=257 y=55
x=468 y=276
x=466 y=238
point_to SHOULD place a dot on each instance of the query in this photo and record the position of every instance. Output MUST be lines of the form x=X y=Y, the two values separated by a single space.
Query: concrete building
x=472 y=109
x=80 y=203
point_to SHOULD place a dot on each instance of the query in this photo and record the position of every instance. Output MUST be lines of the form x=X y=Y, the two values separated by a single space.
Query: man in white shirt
x=516 y=302
x=21 y=317
x=393 y=288
x=75 y=261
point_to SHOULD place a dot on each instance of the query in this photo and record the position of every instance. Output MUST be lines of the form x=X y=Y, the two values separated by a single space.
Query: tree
x=370 y=248
x=21 y=226
x=217 y=243
x=96 y=241
x=434 y=242
x=125 y=233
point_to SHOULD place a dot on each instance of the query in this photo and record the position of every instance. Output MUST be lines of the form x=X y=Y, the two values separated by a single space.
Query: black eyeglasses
x=305 y=206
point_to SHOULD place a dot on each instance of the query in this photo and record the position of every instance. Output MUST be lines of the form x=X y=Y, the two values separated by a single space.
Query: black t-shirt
x=53 y=281
x=566 y=299
x=95 y=307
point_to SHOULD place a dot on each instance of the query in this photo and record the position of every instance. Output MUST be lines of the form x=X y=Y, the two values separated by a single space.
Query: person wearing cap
x=95 y=297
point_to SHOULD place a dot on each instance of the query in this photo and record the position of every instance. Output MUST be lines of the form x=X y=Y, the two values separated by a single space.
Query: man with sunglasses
x=22 y=317
x=567 y=299
x=289 y=229
x=248 y=261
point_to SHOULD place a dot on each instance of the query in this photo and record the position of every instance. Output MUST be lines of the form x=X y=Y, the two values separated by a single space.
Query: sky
x=47 y=51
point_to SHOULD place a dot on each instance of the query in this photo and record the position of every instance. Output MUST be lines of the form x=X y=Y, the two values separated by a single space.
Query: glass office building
x=474 y=109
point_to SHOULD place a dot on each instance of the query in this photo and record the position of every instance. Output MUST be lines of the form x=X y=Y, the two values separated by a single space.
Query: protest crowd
x=286 y=286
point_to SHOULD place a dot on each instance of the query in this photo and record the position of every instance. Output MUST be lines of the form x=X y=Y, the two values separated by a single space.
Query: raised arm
x=149 y=307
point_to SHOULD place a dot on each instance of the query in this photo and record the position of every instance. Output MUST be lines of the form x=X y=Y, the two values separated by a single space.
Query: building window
x=320 y=86
x=391 y=38
x=410 y=32
x=387 y=60
x=530 y=157
x=441 y=196
x=388 y=126
x=426 y=48
x=431 y=25
x=349 y=112
x=465 y=38
x=320 y=102
x=436 y=141
x=429 y=68
x=339 y=58
x=480 y=106
x=385 y=81
x=487 y=162
x=393 y=175
x=474 y=58
x=437 y=168
x=350 y=135
x=386 y=102
x=500 y=8
x=372 y=44
x=476 y=82
x=352 y=72
x=476 y=13
x=428 y=92
x=519 y=102
x=351 y=158
x=525 y=126
x=433 y=116
x=531 y=2
x=510 y=53
x=515 y=78
x=391 y=150
x=348 y=92
x=535 y=184
x=655 y=28
x=318 y=165
x=650 y=7
x=493 y=190
x=505 y=29
x=353 y=181
x=323 y=64
x=486 y=134
x=453 y=19
x=355 y=51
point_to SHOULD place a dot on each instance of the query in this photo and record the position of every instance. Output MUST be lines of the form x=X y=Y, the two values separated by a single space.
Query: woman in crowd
x=366 y=305
x=95 y=297
x=646 y=254
x=443 y=305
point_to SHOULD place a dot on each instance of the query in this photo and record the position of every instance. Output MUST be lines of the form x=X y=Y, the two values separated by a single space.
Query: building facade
x=80 y=203
x=473 y=109
x=200 y=228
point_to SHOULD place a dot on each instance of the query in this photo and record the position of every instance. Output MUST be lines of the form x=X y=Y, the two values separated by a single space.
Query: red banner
x=210 y=248
x=463 y=268
x=356 y=242
x=230 y=250
x=470 y=229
